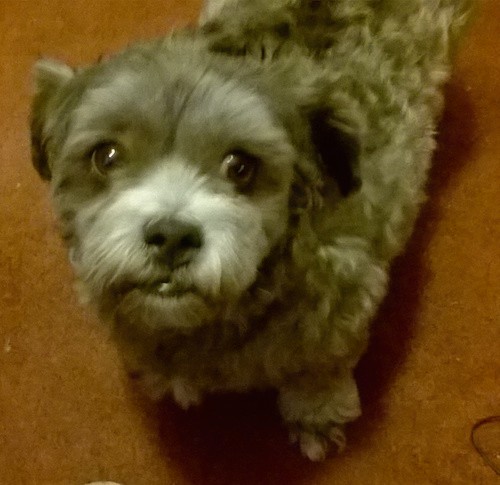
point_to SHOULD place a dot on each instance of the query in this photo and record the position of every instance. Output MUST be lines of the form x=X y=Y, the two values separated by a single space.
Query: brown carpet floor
x=67 y=414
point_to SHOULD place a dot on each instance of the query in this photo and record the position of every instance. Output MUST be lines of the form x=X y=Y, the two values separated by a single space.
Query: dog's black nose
x=174 y=242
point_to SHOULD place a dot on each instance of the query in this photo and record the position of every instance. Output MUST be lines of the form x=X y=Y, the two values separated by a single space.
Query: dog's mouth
x=164 y=288
x=160 y=304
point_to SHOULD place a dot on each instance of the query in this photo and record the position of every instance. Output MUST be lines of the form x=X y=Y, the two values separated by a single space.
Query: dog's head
x=175 y=173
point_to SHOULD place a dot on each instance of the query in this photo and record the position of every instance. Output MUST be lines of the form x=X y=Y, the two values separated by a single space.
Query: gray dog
x=232 y=196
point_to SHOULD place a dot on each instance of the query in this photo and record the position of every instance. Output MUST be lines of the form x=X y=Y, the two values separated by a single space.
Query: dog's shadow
x=239 y=439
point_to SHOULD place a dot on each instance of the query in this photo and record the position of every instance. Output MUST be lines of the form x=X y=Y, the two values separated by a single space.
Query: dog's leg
x=316 y=414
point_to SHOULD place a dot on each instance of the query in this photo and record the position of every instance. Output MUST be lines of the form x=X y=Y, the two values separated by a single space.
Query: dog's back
x=316 y=23
x=388 y=61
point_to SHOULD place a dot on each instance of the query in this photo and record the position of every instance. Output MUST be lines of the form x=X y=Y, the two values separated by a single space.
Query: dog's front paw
x=185 y=395
x=152 y=384
x=157 y=387
x=315 y=443
x=317 y=411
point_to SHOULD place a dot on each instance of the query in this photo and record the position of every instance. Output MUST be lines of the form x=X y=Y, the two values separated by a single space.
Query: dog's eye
x=105 y=157
x=240 y=168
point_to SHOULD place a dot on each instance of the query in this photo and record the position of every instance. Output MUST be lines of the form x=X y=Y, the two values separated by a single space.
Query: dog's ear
x=49 y=76
x=338 y=149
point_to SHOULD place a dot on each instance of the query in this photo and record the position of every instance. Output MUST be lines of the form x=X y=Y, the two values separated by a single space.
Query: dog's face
x=172 y=178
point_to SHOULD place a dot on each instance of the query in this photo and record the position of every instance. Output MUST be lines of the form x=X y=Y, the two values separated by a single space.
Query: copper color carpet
x=67 y=414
